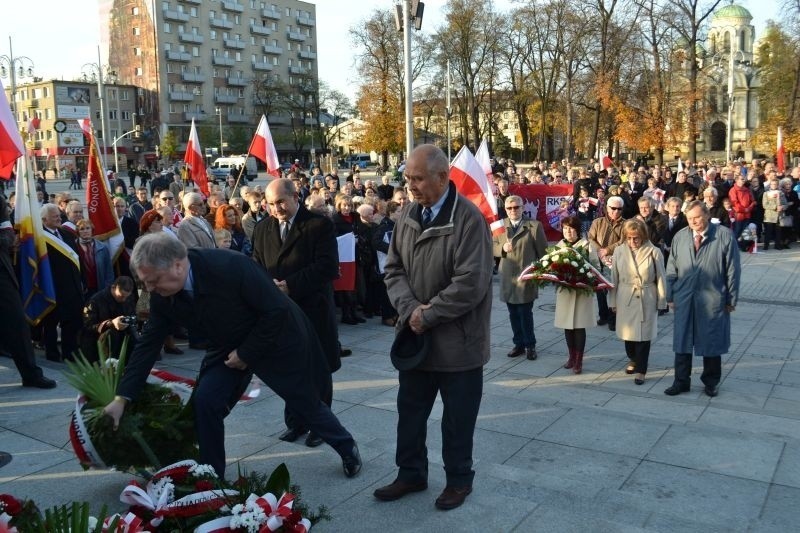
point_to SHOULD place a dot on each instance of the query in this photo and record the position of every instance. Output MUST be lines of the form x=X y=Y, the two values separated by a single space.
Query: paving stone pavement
x=553 y=451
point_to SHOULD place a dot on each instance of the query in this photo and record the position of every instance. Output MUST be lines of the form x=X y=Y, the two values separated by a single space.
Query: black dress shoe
x=452 y=497
x=516 y=352
x=530 y=353
x=292 y=434
x=631 y=368
x=40 y=383
x=612 y=326
x=55 y=357
x=602 y=322
x=173 y=350
x=711 y=391
x=345 y=352
x=198 y=345
x=313 y=440
x=397 y=489
x=350 y=321
x=676 y=389
x=351 y=463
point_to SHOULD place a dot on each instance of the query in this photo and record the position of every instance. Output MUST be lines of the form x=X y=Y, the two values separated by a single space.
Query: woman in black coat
x=346 y=220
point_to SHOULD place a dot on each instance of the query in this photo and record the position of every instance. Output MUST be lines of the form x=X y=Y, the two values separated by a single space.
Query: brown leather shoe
x=397 y=489
x=516 y=352
x=452 y=497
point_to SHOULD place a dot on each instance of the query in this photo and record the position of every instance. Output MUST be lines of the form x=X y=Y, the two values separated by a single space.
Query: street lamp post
x=136 y=128
x=97 y=70
x=9 y=70
x=406 y=13
x=218 y=111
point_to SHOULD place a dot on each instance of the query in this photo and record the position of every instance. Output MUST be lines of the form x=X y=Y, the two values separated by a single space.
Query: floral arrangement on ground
x=182 y=497
x=567 y=267
x=157 y=429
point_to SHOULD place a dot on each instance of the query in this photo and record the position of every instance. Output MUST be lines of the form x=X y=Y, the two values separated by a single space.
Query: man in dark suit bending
x=252 y=327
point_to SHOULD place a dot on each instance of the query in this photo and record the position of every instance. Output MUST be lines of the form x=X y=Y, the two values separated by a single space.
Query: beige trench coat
x=528 y=245
x=639 y=291
x=574 y=310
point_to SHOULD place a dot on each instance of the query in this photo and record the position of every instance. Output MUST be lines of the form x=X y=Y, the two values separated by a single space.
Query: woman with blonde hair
x=639 y=292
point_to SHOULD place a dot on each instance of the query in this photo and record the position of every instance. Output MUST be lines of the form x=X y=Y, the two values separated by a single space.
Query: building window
x=288 y=11
x=241 y=93
x=193 y=11
x=137 y=51
x=239 y=57
x=135 y=11
x=185 y=108
x=169 y=68
x=138 y=71
x=172 y=108
x=136 y=31
x=47 y=115
x=126 y=95
x=167 y=28
x=213 y=35
x=126 y=115
x=195 y=51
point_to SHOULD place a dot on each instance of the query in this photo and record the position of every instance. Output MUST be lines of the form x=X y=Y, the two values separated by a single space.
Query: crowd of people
x=665 y=243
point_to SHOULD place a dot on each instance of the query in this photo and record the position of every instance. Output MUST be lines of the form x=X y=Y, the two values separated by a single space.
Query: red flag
x=347 y=263
x=605 y=161
x=263 y=148
x=468 y=176
x=194 y=160
x=86 y=126
x=98 y=201
x=11 y=147
x=781 y=158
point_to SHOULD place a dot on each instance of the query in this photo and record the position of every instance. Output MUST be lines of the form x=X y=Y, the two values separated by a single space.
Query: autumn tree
x=169 y=145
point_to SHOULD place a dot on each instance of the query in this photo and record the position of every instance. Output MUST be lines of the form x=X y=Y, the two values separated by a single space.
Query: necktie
x=427 y=215
x=698 y=239
x=671 y=222
x=284 y=231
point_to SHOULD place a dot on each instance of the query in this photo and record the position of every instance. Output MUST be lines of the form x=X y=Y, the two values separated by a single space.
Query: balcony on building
x=295 y=36
x=195 y=2
x=238 y=82
x=173 y=55
x=262 y=66
x=297 y=70
x=270 y=13
x=232 y=6
x=235 y=44
x=237 y=118
x=260 y=30
x=223 y=61
x=177 y=16
x=181 y=96
x=307 y=55
x=30 y=104
x=225 y=98
x=190 y=38
x=221 y=23
x=274 y=50
x=196 y=115
x=193 y=77
x=306 y=21
x=278 y=119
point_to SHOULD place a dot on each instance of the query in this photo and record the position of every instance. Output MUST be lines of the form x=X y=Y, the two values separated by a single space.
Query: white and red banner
x=549 y=204
x=605 y=161
x=263 y=148
x=471 y=181
x=781 y=155
x=194 y=160
x=11 y=147
x=347 y=263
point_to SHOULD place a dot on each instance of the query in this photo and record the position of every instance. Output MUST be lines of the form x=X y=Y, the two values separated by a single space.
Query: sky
x=60 y=37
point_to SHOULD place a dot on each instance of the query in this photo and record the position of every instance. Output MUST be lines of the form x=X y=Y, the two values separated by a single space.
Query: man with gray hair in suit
x=194 y=231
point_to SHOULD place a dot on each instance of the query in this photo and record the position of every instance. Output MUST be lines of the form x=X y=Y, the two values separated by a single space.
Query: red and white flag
x=605 y=161
x=98 y=201
x=347 y=263
x=470 y=180
x=781 y=156
x=263 y=148
x=86 y=126
x=11 y=147
x=194 y=160
x=680 y=165
x=482 y=156
x=33 y=125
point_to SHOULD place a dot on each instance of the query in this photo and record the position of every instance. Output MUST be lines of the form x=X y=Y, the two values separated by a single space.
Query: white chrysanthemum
x=589 y=275
x=545 y=263
x=574 y=263
x=92 y=523
x=111 y=362
x=203 y=470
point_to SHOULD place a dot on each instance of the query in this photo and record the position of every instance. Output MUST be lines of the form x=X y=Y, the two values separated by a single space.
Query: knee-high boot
x=578 y=362
x=571 y=361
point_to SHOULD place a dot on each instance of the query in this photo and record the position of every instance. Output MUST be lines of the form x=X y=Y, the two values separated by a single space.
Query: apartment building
x=207 y=59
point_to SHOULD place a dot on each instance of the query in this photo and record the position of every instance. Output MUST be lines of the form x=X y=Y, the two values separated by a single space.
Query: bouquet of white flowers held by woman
x=567 y=267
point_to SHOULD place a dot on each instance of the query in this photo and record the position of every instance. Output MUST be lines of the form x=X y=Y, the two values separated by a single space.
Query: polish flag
x=194 y=160
x=11 y=147
x=85 y=125
x=605 y=161
x=470 y=180
x=482 y=155
x=781 y=156
x=263 y=148
x=347 y=263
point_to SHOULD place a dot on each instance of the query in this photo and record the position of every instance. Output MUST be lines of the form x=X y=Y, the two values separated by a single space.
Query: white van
x=362 y=160
x=221 y=167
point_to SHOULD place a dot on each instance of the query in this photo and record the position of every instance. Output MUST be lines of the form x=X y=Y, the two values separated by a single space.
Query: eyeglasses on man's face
x=167 y=197
x=615 y=208
x=512 y=207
